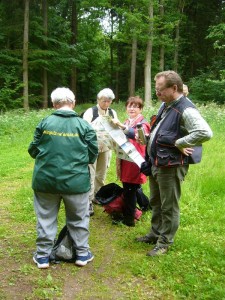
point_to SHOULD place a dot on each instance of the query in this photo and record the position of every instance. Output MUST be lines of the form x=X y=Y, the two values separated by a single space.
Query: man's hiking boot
x=81 y=261
x=157 y=251
x=147 y=239
x=41 y=262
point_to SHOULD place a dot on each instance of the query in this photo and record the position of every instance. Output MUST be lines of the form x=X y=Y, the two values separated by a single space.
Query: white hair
x=62 y=95
x=107 y=93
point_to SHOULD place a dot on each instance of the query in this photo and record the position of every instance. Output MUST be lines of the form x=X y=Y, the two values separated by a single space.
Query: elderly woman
x=63 y=147
x=92 y=115
x=129 y=172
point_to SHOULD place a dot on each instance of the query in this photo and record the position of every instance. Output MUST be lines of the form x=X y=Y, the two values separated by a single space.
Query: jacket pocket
x=168 y=157
x=166 y=138
x=167 y=154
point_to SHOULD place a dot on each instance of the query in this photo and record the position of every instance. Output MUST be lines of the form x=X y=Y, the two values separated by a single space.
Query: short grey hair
x=107 y=93
x=62 y=95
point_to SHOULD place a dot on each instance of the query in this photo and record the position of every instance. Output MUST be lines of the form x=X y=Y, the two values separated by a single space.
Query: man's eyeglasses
x=162 y=89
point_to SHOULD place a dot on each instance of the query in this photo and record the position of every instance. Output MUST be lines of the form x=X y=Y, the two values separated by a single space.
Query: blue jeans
x=165 y=193
x=77 y=219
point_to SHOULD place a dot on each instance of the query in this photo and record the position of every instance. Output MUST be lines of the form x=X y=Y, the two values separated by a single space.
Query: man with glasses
x=98 y=170
x=175 y=142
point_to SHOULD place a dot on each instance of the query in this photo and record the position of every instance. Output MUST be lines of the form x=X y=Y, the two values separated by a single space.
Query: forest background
x=89 y=45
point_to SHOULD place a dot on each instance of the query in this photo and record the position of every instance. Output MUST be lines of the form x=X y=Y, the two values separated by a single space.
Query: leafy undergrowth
x=194 y=268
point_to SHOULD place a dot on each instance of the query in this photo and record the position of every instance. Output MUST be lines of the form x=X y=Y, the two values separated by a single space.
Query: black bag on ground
x=108 y=193
x=111 y=191
x=63 y=249
x=142 y=200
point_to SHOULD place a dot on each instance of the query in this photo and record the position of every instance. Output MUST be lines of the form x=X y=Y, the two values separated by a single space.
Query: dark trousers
x=130 y=199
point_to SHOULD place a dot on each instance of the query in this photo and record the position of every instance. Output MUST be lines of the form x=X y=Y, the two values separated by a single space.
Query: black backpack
x=111 y=191
x=95 y=113
x=108 y=193
x=63 y=249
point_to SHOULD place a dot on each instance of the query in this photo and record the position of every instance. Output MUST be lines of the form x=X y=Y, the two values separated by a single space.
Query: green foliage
x=101 y=57
x=203 y=89
x=217 y=34
x=11 y=86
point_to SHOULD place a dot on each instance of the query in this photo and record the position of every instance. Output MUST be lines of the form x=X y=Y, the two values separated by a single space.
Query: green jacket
x=63 y=146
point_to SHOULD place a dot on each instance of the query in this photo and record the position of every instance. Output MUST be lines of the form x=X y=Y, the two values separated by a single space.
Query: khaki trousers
x=165 y=193
x=98 y=172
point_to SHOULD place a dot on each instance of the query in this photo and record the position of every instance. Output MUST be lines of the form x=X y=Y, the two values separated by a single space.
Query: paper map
x=124 y=149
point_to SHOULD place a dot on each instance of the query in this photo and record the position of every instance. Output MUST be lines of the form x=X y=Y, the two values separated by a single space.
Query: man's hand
x=146 y=168
x=186 y=151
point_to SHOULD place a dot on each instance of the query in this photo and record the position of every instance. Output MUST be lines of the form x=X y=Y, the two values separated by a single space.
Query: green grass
x=193 y=269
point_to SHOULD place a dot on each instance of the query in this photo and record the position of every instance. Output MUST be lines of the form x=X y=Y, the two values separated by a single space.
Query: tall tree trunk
x=45 y=73
x=117 y=81
x=73 y=42
x=162 y=47
x=148 y=59
x=133 y=66
x=181 y=4
x=25 y=55
x=119 y=62
x=176 y=47
x=111 y=48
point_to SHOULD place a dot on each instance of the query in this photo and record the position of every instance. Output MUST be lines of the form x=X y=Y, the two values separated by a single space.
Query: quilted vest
x=163 y=150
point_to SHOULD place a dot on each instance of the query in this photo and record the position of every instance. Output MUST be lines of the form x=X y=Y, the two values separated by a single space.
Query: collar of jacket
x=65 y=113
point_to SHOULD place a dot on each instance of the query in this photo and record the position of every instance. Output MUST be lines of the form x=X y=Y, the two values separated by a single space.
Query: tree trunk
x=111 y=50
x=73 y=42
x=117 y=81
x=119 y=63
x=162 y=47
x=25 y=55
x=162 y=58
x=181 y=4
x=176 y=47
x=133 y=66
x=148 y=59
x=45 y=73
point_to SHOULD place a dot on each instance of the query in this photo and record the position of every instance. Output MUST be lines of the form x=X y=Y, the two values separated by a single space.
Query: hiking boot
x=91 y=210
x=147 y=239
x=42 y=262
x=157 y=251
x=81 y=261
x=129 y=221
